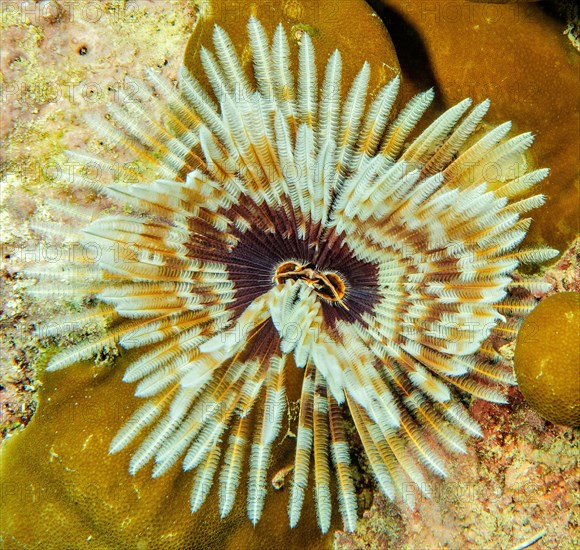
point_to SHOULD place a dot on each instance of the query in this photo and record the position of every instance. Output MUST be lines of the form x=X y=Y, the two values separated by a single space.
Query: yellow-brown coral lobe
x=349 y=25
x=61 y=488
x=547 y=358
x=469 y=49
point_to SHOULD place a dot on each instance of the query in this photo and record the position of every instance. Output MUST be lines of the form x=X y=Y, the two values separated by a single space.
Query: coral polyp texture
x=547 y=358
x=280 y=233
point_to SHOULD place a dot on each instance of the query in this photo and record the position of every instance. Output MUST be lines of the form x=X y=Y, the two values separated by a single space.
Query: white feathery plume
x=273 y=229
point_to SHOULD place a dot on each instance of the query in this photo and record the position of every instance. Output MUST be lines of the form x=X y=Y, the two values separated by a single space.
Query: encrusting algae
x=106 y=505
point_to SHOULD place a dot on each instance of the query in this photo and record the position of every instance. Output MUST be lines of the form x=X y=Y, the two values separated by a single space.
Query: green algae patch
x=60 y=488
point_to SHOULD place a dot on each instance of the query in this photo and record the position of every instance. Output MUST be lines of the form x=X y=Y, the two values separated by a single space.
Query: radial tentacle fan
x=281 y=229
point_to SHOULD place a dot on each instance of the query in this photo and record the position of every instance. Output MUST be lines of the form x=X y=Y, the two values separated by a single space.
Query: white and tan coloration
x=288 y=228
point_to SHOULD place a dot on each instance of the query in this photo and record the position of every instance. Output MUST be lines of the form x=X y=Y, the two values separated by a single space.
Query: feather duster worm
x=284 y=227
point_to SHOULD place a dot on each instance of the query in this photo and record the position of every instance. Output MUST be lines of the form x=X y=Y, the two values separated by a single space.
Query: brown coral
x=547 y=358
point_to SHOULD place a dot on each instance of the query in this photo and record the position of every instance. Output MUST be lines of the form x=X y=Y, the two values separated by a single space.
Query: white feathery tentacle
x=307 y=82
x=270 y=422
